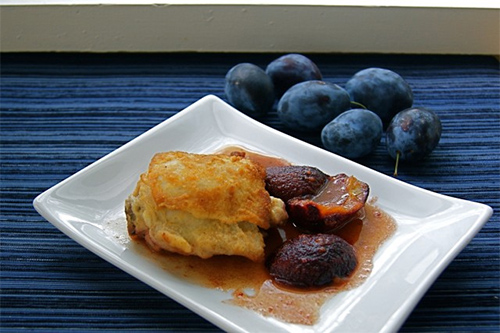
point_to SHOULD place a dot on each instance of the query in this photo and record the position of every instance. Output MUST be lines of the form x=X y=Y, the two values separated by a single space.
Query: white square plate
x=432 y=228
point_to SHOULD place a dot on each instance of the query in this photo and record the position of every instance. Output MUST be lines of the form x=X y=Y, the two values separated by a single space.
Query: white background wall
x=386 y=26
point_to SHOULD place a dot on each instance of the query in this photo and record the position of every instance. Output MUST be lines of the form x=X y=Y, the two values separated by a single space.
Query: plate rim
x=395 y=320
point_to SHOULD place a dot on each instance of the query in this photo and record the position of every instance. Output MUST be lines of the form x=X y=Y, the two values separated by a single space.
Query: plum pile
x=353 y=134
x=249 y=89
x=381 y=91
x=310 y=105
x=291 y=69
x=413 y=134
x=350 y=120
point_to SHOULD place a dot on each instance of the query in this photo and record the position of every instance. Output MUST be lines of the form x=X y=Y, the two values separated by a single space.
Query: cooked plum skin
x=312 y=260
x=287 y=182
x=337 y=203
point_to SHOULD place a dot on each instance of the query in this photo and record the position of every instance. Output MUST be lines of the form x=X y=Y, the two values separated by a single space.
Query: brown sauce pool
x=251 y=285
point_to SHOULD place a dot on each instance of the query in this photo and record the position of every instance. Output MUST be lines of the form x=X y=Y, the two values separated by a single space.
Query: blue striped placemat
x=61 y=112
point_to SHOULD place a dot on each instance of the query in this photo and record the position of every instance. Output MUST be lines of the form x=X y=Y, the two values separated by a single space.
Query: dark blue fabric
x=61 y=112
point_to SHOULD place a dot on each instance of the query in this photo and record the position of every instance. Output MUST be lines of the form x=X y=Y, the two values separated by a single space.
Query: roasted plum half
x=312 y=260
x=332 y=207
x=287 y=182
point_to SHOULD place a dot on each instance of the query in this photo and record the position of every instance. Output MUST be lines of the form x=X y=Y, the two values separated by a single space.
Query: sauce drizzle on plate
x=251 y=285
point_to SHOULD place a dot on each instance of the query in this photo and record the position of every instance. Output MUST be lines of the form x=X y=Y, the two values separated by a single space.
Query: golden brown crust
x=203 y=205
x=227 y=188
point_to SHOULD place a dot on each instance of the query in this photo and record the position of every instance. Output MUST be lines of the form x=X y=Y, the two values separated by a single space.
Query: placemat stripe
x=62 y=112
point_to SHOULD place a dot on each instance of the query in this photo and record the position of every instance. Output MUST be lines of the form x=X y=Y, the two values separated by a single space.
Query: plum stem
x=397 y=163
x=358 y=104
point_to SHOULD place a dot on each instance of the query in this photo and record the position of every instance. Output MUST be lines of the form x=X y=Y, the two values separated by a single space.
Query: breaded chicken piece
x=203 y=205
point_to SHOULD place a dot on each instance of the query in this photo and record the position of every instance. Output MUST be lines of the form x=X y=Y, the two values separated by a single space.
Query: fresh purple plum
x=249 y=89
x=353 y=134
x=310 y=105
x=381 y=91
x=413 y=134
x=291 y=69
